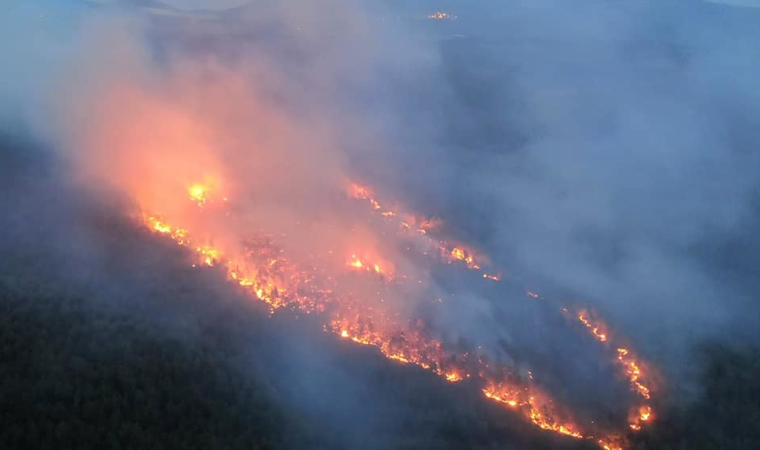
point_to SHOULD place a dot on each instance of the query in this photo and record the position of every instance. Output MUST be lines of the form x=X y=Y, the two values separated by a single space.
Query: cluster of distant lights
x=440 y=15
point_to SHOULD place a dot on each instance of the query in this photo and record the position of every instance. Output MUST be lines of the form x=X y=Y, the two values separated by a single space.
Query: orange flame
x=270 y=277
x=440 y=15
x=198 y=193
x=597 y=330
x=534 y=405
x=635 y=371
x=464 y=255
x=385 y=269
x=639 y=416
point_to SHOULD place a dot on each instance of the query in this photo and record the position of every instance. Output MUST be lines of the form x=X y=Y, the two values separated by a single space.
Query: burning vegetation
x=231 y=183
x=260 y=265
x=441 y=15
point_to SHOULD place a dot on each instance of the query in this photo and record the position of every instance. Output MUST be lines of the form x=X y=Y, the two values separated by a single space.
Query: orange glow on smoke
x=383 y=268
x=410 y=346
x=273 y=279
x=632 y=366
x=355 y=263
x=178 y=162
x=198 y=193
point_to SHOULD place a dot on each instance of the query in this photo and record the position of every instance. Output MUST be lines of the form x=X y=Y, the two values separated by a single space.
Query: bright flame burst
x=464 y=255
x=640 y=416
x=262 y=269
x=380 y=268
x=198 y=193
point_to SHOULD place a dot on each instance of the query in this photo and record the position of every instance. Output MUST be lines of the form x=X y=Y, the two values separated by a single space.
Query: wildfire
x=198 y=193
x=421 y=226
x=633 y=369
x=610 y=444
x=209 y=255
x=364 y=193
x=457 y=253
x=596 y=330
x=640 y=416
x=355 y=263
x=534 y=405
x=464 y=255
x=379 y=268
x=426 y=225
x=452 y=377
x=155 y=224
x=440 y=15
x=360 y=192
x=263 y=270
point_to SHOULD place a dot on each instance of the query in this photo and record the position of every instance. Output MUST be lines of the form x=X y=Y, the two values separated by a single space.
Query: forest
x=120 y=344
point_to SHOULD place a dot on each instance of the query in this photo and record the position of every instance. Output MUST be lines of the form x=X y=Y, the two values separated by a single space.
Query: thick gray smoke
x=601 y=153
x=605 y=149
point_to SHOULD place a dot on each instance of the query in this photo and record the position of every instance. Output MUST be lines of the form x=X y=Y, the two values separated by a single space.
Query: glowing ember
x=360 y=192
x=440 y=15
x=355 y=263
x=155 y=224
x=610 y=444
x=198 y=193
x=640 y=416
x=452 y=377
x=634 y=370
x=383 y=269
x=595 y=329
x=262 y=270
x=534 y=405
x=464 y=255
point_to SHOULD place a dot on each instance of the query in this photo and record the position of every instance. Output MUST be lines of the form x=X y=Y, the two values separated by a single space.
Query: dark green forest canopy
x=109 y=340
x=115 y=315
x=76 y=378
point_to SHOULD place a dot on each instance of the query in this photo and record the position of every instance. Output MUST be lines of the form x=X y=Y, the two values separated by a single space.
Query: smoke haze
x=601 y=154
